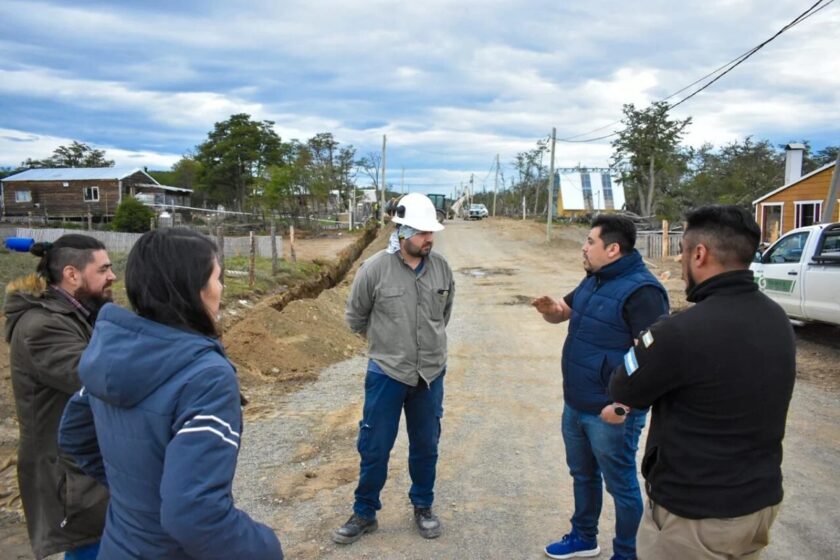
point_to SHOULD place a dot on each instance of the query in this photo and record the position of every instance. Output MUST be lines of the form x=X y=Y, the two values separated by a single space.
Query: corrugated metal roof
x=74 y=174
x=164 y=187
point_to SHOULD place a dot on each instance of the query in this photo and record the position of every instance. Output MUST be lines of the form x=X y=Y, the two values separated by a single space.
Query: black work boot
x=427 y=522
x=353 y=530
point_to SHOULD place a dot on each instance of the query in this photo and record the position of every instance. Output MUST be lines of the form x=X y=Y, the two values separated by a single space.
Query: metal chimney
x=794 y=153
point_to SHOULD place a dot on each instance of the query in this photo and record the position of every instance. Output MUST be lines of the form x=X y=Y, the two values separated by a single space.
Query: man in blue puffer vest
x=618 y=299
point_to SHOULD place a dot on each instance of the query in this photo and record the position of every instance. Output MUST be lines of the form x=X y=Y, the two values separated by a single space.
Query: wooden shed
x=796 y=204
x=79 y=192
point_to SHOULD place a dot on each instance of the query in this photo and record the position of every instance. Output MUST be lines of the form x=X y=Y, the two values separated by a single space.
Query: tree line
x=662 y=177
x=244 y=165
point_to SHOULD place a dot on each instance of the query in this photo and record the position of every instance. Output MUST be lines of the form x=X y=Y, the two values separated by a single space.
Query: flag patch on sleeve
x=631 y=364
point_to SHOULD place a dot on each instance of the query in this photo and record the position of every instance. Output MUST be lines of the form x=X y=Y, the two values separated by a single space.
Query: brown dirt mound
x=288 y=339
x=306 y=336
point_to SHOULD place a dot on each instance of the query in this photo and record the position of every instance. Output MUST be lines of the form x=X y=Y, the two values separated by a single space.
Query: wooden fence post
x=292 y=243
x=273 y=233
x=220 y=243
x=252 y=260
x=666 y=239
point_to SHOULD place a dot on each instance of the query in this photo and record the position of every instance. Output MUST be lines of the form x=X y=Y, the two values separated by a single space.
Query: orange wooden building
x=796 y=204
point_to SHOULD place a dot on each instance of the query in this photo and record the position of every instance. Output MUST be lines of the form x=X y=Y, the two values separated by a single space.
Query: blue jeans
x=385 y=399
x=87 y=552
x=594 y=449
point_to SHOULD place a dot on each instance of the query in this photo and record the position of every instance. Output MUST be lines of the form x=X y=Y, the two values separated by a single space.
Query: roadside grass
x=288 y=274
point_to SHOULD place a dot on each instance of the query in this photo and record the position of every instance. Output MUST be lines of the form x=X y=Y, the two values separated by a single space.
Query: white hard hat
x=417 y=211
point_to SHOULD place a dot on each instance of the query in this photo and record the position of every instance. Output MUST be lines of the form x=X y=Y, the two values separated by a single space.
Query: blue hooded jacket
x=167 y=407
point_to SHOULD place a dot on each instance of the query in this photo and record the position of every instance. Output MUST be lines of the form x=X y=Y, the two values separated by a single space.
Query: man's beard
x=415 y=251
x=91 y=301
x=690 y=282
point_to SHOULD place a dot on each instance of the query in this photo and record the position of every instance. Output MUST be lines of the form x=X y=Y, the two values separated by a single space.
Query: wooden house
x=797 y=203
x=80 y=192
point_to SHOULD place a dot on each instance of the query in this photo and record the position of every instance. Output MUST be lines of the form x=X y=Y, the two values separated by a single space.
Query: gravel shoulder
x=503 y=488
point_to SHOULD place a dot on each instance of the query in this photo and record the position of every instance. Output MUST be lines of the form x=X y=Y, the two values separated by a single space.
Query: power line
x=729 y=66
x=807 y=13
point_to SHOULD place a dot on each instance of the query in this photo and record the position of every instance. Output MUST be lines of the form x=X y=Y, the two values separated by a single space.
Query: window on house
x=771 y=226
x=23 y=196
x=91 y=194
x=586 y=183
x=808 y=213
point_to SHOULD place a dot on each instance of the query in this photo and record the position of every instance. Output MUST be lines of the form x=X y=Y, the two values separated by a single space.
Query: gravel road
x=503 y=488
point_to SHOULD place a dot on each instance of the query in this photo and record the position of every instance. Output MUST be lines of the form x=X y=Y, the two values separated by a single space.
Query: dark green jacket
x=64 y=508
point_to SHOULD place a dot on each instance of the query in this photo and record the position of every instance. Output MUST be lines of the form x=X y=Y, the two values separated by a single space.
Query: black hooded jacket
x=719 y=377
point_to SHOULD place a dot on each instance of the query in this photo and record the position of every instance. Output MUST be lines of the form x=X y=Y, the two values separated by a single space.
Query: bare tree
x=371 y=165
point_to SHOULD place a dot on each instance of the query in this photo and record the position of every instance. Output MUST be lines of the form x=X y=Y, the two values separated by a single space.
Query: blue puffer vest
x=598 y=334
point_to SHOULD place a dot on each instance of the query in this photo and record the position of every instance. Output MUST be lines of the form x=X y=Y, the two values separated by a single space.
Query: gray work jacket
x=403 y=314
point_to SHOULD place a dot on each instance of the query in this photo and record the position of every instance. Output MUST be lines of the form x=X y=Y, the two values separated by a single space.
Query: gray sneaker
x=427 y=522
x=353 y=530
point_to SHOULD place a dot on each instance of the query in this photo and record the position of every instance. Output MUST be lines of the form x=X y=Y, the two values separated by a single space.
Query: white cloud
x=450 y=83
x=17 y=146
x=185 y=109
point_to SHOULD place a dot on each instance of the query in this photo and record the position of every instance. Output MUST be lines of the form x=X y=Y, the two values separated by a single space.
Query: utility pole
x=382 y=194
x=833 y=192
x=495 y=185
x=352 y=208
x=472 y=177
x=550 y=210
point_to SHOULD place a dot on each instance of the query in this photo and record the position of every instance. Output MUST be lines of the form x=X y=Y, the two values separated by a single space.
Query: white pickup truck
x=801 y=272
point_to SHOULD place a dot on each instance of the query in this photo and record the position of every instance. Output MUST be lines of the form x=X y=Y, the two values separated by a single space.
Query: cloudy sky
x=451 y=83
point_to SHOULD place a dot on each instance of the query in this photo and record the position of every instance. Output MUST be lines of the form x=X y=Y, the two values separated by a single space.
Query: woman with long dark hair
x=166 y=405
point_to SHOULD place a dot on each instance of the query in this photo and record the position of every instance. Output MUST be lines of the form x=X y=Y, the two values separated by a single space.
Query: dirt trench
x=328 y=278
x=286 y=339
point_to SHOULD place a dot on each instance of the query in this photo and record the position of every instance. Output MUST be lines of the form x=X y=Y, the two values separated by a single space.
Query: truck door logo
x=777 y=285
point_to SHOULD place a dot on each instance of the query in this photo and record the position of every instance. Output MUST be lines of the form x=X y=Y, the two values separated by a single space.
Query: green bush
x=133 y=216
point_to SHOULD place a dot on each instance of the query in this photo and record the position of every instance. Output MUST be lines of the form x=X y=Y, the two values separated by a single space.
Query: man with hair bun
x=49 y=321
x=719 y=377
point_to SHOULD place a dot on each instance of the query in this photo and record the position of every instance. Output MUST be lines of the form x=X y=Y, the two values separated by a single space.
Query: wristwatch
x=619 y=410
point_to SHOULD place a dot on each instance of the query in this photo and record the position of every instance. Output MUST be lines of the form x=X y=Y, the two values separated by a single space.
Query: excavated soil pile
x=269 y=346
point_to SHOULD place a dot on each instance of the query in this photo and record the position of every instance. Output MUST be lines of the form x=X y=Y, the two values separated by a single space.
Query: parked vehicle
x=442 y=206
x=477 y=212
x=801 y=272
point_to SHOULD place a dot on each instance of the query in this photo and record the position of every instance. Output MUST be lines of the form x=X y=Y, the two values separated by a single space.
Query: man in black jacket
x=719 y=377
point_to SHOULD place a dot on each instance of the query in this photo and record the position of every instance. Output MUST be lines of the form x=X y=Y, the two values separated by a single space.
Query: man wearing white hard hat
x=401 y=301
